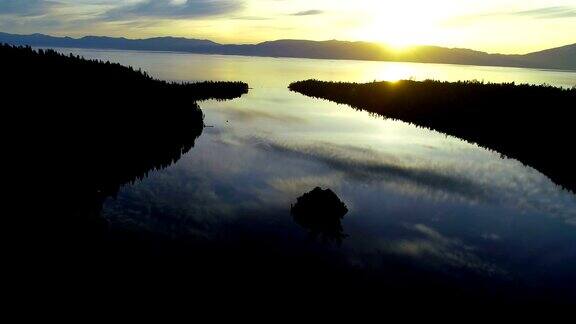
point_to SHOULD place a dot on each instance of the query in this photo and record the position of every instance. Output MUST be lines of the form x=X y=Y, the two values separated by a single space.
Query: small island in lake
x=321 y=212
x=531 y=123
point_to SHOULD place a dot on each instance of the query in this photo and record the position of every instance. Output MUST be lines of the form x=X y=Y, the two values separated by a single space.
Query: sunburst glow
x=402 y=24
x=506 y=26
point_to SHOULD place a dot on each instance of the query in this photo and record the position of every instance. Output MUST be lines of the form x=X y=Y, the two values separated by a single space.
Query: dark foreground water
x=430 y=216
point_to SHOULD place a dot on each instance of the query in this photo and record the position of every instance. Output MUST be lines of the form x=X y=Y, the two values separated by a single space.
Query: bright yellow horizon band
x=496 y=26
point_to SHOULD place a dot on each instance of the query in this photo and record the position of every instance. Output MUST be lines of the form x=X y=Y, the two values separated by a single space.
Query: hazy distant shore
x=563 y=58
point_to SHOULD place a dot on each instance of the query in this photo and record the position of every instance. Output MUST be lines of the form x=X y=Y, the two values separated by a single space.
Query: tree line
x=79 y=129
x=532 y=123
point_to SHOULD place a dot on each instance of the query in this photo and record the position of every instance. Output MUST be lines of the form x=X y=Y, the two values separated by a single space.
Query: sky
x=496 y=26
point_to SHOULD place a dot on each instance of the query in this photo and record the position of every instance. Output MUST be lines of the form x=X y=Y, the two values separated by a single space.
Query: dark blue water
x=425 y=210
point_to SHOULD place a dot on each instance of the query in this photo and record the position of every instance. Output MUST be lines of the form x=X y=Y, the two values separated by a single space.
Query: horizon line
x=403 y=48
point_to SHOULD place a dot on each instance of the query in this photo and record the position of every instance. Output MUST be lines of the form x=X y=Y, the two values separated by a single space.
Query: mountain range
x=555 y=58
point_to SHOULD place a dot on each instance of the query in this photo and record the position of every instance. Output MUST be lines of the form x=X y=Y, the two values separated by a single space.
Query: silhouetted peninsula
x=83 y=128
x=556 y=58
x=534 y=124
x=102 y=115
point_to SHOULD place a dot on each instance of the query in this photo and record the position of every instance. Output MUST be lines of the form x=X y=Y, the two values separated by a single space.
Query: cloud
x=295 y=186
x=438 y=249
x=27 y=7
x=549 y=12
x=308 y=13
x=251 y=18
x=470 y=185
x=367 y=165
x=246 y=115
x=557 y=12
x=169 y=9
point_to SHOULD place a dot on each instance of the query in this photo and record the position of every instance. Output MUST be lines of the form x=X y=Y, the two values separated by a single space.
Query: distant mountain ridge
x=555 y=58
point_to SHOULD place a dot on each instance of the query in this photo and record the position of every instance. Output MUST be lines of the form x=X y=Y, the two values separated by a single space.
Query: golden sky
x=505 y=26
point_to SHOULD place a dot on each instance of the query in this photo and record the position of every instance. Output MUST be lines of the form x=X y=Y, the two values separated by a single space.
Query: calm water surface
x=413 y=194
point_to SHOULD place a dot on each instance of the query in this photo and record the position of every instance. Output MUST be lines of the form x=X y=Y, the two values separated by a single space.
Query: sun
x=394 y=34
x=400 y=26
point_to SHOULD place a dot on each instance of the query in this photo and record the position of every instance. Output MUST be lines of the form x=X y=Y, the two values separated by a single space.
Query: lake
x=419 y=201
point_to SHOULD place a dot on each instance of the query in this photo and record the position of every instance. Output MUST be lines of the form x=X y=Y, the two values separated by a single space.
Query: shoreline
x=506 y=118
x=306 y=58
